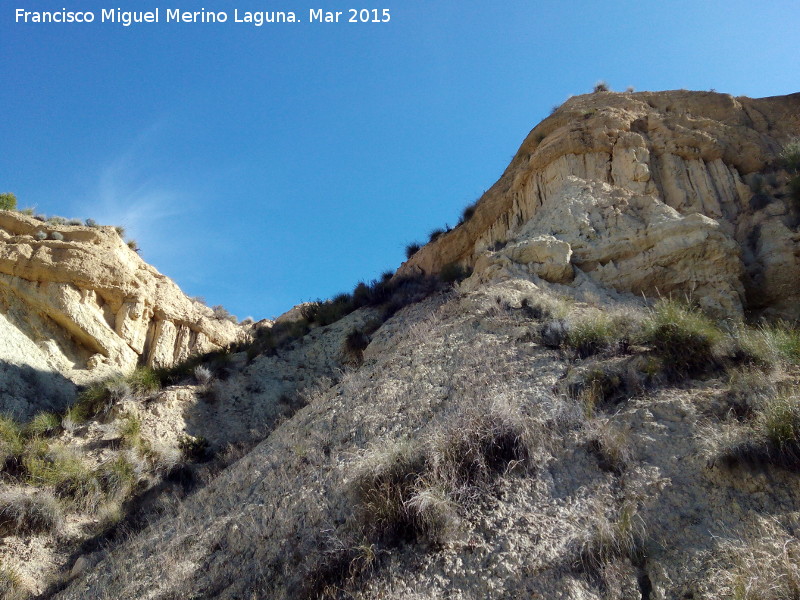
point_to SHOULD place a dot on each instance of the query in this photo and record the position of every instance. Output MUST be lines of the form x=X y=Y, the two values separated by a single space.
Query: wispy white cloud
x=130 y=191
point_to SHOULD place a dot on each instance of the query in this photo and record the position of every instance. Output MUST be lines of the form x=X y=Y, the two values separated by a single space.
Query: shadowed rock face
x=87 y=304
x=649 y=191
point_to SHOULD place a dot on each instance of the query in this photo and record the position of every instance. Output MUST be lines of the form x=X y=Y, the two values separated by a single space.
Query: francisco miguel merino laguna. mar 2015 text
x=256 y=18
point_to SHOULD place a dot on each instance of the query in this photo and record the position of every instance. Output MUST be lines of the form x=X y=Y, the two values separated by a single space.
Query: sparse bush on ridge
x=8 y=201
x=412 y=249
x=601 y=86
x=436 y=234
x=468 y=213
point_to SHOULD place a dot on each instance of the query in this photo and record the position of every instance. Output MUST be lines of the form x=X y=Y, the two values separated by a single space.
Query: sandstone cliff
x=648 y=193
x=80 y=304
x=538 y=430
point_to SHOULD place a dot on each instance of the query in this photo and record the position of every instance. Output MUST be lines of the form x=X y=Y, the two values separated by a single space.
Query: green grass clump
x=143 y=381
x=767 y=345
x=594 y=332
x=11 y=439
x=44 y=424
x=683 y=336
x=99 y=397
x=130 y=430
x=63 y=471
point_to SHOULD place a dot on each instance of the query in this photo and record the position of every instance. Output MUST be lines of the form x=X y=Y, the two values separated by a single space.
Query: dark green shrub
x=454 y=272
x=476 y=447
x=601 y=86
x=8 y=201
x=355 y=343
x=195 y=449
x=790 y=156
x=99 y=397
x=794 y=188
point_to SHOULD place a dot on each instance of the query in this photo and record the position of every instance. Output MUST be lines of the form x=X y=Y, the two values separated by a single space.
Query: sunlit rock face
x=76 y=303
x=655 y=193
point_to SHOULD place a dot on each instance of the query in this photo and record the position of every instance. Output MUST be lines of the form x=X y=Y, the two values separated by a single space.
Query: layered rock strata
x=655 y=193
x=78 y=299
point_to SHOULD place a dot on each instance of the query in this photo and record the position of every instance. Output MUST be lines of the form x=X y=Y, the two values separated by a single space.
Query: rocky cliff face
x=80 y=304
x=537 y=430
x=646 y=193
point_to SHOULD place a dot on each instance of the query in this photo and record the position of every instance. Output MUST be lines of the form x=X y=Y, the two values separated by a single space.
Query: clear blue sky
x=264 y=166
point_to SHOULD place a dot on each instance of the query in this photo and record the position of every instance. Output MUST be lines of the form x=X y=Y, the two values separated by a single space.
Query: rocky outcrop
x=650 y=192
x=81 y=303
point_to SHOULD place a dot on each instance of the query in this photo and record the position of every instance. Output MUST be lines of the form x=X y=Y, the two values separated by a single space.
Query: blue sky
x=260 y=167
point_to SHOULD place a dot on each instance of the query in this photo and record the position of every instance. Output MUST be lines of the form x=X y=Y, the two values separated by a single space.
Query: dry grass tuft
x=612 y=540
x=23 y=513
x=11 y=585
x=610 y=444
x=764 y=567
